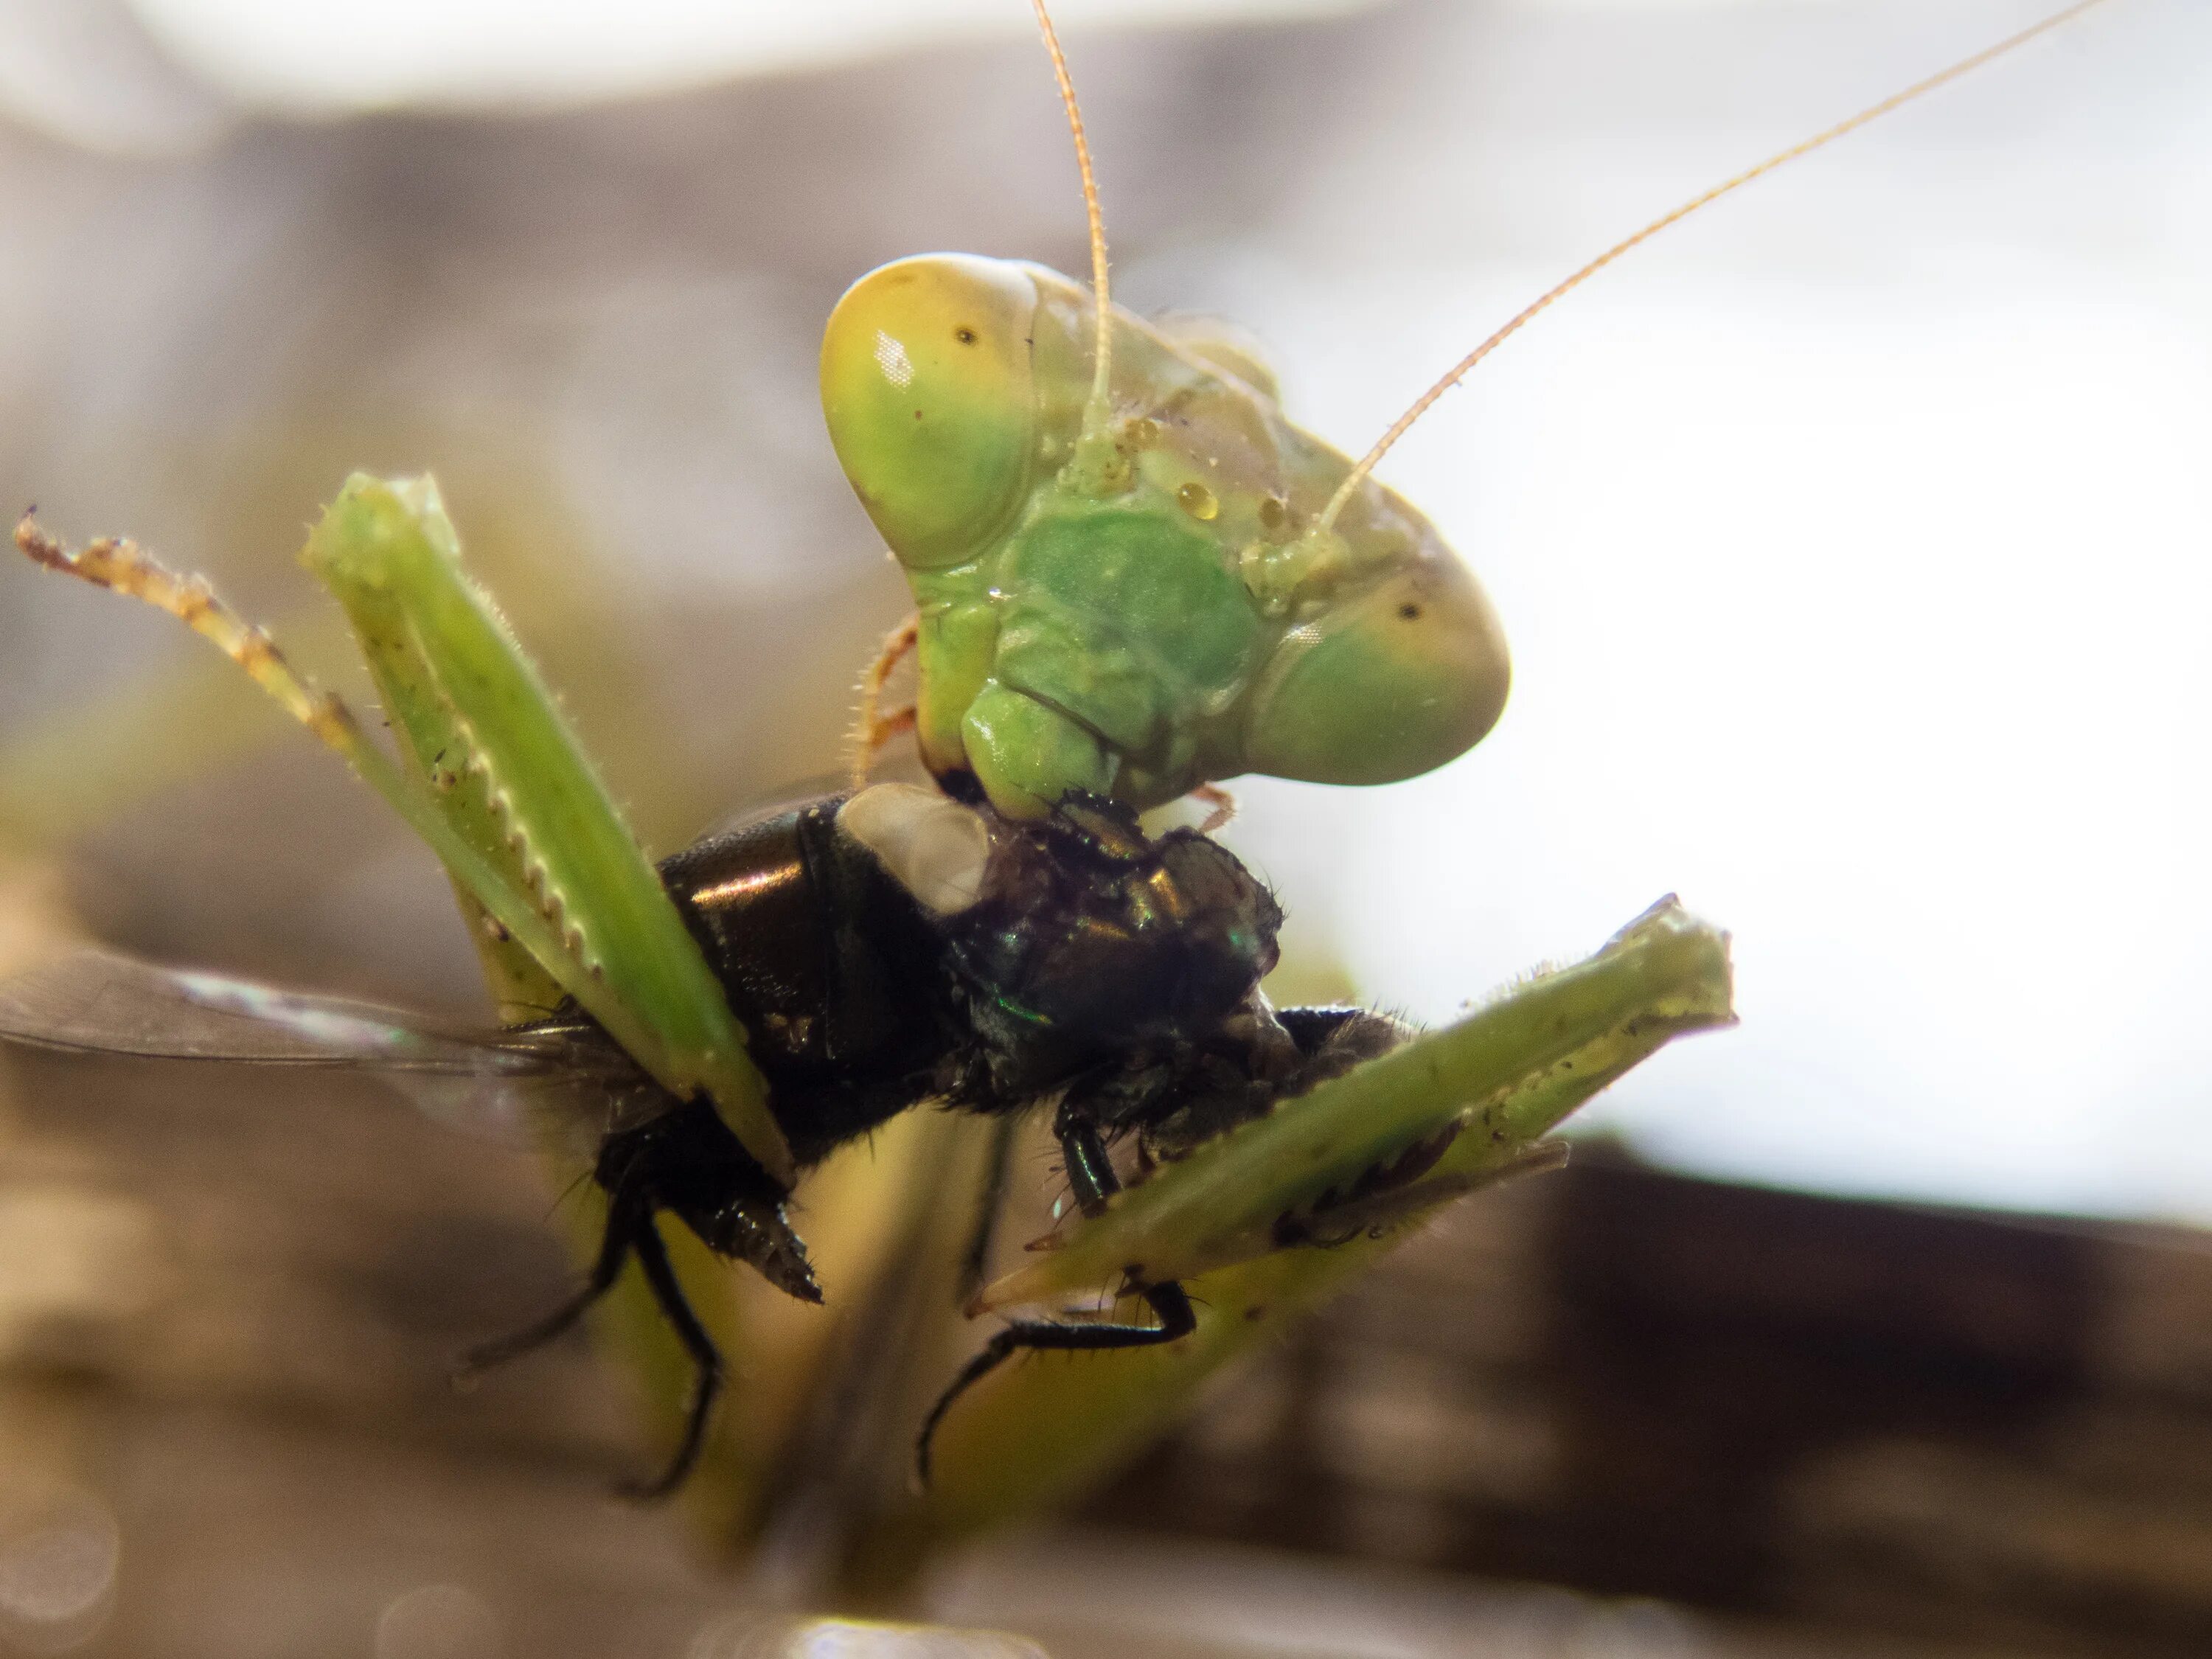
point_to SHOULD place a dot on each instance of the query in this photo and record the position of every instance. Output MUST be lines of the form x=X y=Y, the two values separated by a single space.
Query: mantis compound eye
x=928 y=389
x=1394 y=682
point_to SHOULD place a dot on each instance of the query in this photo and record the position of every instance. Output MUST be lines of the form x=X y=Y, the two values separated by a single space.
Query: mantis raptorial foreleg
x=1377 y=1214
x=491 y=777
x=1504 y=1076
x=1489 y=1087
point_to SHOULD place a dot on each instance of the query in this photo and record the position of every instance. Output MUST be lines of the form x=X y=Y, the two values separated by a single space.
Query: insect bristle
x=1805 y=147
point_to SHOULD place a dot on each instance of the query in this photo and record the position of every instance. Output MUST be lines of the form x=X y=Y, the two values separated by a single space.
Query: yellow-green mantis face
x=1138 y=604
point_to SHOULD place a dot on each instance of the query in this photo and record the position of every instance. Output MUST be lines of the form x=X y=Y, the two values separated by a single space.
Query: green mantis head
x=1131 y=575
x=1137 y=593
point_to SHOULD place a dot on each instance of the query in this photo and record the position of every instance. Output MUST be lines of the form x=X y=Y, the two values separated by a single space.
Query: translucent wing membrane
x=103 y=1002
x=565 y=1108
x=518 y=1084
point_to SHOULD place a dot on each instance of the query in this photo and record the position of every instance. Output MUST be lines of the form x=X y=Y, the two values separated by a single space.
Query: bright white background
x=1856 y=543
x=357 y=53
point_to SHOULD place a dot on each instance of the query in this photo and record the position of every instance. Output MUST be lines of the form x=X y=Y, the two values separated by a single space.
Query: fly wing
x=560 y=1108
x=103 y=1002
x=805 y=792
x=517 y=1085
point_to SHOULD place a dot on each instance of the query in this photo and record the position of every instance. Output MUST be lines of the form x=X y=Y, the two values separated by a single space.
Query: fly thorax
x=1092 y=938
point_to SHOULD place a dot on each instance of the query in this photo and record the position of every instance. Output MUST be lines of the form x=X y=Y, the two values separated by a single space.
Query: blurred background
x=1852 y=540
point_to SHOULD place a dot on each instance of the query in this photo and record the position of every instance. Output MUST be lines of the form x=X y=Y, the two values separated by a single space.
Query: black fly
x=882 y=951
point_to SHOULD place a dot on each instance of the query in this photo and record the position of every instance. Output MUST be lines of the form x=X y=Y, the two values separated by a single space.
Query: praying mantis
x=1018 y=711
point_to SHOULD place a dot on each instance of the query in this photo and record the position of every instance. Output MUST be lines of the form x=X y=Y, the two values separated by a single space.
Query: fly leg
x=1170 y=1304
x=629 y=1230
x=660 y=1278
x=1092 y=1178
x=615 y=1246
x=873 y=729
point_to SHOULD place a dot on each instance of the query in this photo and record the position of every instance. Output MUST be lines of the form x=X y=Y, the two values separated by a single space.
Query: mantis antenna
x=1102 y=374
x=1358 y=474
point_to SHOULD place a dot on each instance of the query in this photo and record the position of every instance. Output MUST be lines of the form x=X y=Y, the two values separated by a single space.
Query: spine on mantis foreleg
x=494 y=783
x=489 y=743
